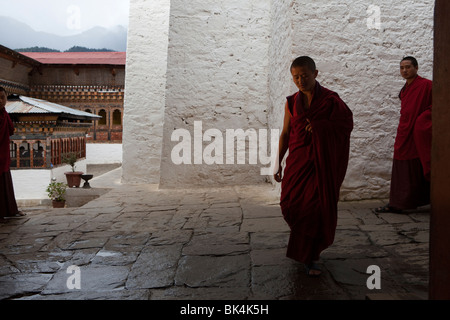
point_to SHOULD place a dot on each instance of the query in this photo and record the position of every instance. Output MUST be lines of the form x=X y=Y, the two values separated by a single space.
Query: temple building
x=92 y=82
x=60 y=103
x=45 y=132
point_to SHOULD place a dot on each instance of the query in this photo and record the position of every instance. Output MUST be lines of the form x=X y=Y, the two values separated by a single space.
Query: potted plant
x=57 y=193
x=73 y=177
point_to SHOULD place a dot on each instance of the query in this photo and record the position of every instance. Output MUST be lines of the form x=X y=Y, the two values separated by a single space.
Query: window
x=102 y=114
x=54 y=153
x=24 y=155
x=38 y=155
x=13 y=154
x=117 y=117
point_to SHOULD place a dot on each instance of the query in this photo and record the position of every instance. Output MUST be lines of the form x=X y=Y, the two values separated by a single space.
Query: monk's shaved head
x=413 y=61
x=304 y=61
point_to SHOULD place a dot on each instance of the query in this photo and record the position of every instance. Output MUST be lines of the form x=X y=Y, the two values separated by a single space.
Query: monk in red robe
x=8 y=205
x=409 y=186
x=316 y=131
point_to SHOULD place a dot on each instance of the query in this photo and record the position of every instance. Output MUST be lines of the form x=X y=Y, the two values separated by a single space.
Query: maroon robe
x=315 y=169
x=409 y=188
x=8 y=205
x=416 y=98
x=422 y=137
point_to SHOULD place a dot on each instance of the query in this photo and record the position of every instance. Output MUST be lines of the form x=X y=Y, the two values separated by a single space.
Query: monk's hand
x=308 y=126
x=277 y=176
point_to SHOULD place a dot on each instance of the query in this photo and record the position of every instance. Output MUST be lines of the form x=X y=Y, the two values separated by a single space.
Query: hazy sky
x=66 y=17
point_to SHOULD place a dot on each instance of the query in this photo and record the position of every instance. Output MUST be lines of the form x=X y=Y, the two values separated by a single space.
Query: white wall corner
x=145 y=84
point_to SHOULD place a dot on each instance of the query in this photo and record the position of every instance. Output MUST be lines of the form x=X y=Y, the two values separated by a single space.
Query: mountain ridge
x=20 y=35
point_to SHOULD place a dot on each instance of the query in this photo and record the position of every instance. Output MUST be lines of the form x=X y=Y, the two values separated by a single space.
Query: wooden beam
x=439 y=284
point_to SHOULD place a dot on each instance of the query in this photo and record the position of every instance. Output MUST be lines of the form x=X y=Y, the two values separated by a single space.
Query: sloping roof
x=27 y=105
x=17 y=57
x=72 y=58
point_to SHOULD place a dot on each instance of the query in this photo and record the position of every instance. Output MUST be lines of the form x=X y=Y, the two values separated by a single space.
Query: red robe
x=423 y=137
x=6 y=130
x=8 y=205
x=409 y=188
x=416 y=98
x=315 y=169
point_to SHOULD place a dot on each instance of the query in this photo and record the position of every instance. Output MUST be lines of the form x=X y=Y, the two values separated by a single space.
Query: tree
x=36 y=49
x=84 y=49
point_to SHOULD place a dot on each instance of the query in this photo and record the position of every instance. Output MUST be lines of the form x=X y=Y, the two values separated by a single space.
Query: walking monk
x=8 y=205
x=409 y=186
x=316 y=131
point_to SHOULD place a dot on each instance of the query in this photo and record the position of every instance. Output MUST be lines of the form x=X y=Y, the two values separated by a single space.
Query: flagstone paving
x=140 y=242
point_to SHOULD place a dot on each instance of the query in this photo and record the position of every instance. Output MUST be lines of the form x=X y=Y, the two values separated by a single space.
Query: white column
x=145 y=84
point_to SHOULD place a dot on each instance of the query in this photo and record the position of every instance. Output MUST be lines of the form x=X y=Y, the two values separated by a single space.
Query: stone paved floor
x=139 y=242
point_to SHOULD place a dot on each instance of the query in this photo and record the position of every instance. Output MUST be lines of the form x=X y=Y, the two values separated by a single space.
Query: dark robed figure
x=410 y=186
x=317 y=128
x=8 y=205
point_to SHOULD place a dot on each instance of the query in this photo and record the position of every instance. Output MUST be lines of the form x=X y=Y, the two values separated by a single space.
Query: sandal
x=387 y=209
x=19 y=214
x=314 y=268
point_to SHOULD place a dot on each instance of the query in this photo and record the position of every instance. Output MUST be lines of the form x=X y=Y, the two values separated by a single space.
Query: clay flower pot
x=58 y=203
x=73 y=179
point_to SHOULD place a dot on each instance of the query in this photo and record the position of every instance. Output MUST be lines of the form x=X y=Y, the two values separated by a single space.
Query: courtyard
x=145 y=243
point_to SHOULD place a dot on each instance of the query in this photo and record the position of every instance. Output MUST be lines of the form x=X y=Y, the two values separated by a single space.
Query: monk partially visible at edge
x=316 y=131
x=8 y=205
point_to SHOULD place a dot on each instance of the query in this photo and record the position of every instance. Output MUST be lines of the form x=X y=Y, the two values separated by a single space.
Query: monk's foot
x=313 y=270
x=387 y=209
x=20 y=214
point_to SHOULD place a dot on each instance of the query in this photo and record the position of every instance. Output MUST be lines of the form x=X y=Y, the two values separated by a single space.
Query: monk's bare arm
x=284 y=142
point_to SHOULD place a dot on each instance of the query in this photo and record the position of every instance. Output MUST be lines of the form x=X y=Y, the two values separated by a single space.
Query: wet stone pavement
x=142 y=243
